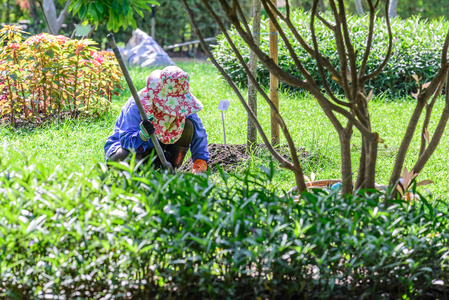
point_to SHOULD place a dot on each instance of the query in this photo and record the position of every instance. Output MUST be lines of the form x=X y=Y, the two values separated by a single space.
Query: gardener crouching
x=172 y=108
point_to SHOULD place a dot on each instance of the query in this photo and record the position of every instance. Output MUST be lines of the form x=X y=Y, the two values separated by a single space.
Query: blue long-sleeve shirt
x=126 y=134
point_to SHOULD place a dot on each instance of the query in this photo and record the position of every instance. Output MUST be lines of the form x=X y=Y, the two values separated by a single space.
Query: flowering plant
x=47 y=76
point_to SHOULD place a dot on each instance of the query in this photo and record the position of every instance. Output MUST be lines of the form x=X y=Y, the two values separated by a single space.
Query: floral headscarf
x=168 y=100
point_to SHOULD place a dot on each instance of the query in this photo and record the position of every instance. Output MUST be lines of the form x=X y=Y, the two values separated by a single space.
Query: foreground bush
x=99 y=234
x=53 y=76
x=417 y=50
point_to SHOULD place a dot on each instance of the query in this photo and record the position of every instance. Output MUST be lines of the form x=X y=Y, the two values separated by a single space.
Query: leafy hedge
x=102 y=234
x=416 y=50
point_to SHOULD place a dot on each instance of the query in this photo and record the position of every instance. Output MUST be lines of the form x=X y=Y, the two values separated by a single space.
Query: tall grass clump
x=48 y=76
x=416 y=50
x=123 y=232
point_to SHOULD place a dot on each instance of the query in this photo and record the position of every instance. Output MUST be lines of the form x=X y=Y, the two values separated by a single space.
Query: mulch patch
x=231 y=157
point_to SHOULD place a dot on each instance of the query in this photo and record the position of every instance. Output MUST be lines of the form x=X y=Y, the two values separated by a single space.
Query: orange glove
x=199 y=166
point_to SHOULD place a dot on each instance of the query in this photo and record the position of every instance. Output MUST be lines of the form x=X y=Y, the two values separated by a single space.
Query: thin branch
x=434 y=141
x=429 y=108
x=290 y=49
x=263 y=57
x=372 y=19
x=350 y=50
x=411 y=128
x=242 y=15
x=297 y=61
x=424 y=157
x=319 y=62
x=287 y=8
x=302 y=42
x=327 y=105
x=62 y=15
x=341 y=51
x=325 y=22
x=390 y=47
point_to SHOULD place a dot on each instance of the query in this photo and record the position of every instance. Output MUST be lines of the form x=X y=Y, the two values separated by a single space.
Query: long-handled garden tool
x=136 y=97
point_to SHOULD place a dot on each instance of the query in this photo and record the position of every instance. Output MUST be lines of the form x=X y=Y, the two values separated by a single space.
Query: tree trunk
x=393 y=9
x=362 y=167
x=371 y=159
x=358 y=5
x=346 y=164
x=252 y=92
x=54 y=22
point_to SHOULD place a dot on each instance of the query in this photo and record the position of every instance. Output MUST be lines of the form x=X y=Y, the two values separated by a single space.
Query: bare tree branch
x=302 y=42
x=340 y=47
x=319 y=62
x=405 y=144
x=242 y=16
x=434 y=141
x=390 y=47
x=372 y=18
x=429 y=108
x=290 y=49
x=263 y=57
x=352 y=55
x=424 y=157
x=325 y=22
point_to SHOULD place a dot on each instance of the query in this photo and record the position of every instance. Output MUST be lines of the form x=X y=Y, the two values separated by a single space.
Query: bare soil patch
x=232 y=157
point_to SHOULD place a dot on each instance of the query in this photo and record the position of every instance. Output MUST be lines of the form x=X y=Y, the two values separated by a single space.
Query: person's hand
x=199 y=166
x=146 y=129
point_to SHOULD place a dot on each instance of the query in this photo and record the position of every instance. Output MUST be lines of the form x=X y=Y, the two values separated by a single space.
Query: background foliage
x=169 y=32
x=51 y=76
x=172 y=24
x=417 y=48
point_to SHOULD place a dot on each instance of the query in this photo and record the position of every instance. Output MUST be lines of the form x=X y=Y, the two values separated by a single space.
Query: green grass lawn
x=77 y=144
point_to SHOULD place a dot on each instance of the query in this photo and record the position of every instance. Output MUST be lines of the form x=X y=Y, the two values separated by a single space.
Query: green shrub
x=101 y=234
x=52 y=76
x=417 y=46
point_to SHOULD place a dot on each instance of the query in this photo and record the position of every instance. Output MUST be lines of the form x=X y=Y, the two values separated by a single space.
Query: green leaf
x=50 y=53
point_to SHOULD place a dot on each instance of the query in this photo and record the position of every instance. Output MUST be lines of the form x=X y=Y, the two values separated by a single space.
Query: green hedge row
x=417 y=46
x=102 y=234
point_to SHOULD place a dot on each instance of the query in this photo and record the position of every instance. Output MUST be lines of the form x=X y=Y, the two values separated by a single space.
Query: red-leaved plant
x=47 y=76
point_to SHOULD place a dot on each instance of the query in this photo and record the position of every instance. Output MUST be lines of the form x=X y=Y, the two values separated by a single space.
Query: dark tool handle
x=136 y=97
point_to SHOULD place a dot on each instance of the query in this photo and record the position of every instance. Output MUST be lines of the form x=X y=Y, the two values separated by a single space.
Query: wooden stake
x=274 y=83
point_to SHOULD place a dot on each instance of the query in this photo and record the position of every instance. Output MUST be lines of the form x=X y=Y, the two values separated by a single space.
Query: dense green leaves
x=417 y=46
x=48 y=76
x=97 y=233
x=115 y=14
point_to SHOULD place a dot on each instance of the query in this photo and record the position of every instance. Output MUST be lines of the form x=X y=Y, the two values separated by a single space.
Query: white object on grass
x=223 y=105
